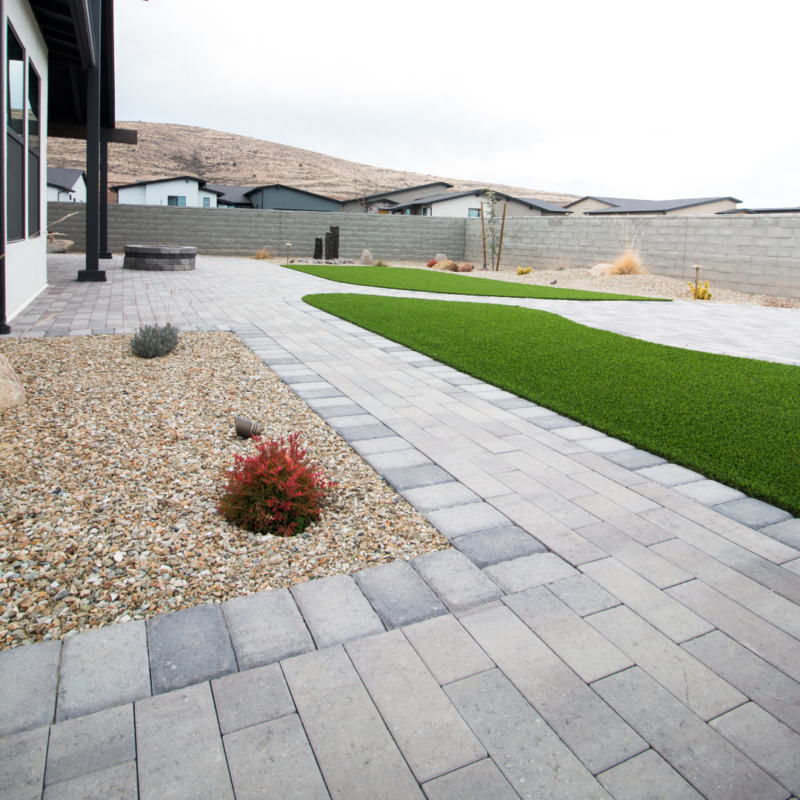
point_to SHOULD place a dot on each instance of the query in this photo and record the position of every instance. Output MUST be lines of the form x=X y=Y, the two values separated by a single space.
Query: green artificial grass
x=735 y=420
x=417 y=280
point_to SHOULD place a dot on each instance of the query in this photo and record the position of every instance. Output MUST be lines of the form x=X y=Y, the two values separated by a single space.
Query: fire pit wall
x=159 y=258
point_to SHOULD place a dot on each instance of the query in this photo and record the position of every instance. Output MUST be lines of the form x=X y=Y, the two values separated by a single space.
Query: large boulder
x=366 y=259
x=440 y=257
x=59 y=246
x=446 y=266
x=12 y=392
x=602 y=270
x=465 y=267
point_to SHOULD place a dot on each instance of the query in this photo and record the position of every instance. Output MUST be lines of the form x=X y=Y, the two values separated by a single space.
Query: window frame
x=13 y=137
x=177 y=198
x=30 y=151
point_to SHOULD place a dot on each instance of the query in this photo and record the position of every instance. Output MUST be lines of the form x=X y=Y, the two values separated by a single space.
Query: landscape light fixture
x=288 y=245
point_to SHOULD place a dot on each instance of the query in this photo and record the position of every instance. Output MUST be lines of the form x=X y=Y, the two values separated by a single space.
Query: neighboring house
x=468 y=204
x=783 y=210
x=285 y=198
x=383 y=202
x=593 y=206
x=66 y=185
x=181 y=192
x=231 y=196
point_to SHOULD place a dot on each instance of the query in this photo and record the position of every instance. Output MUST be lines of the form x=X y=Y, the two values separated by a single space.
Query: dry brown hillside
x=168 y=150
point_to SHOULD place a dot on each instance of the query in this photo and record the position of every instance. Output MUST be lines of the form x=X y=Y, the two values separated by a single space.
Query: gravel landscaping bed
x=109 y=478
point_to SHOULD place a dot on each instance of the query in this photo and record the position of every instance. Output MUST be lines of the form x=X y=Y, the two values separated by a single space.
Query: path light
x=288 y=245
x=696 y=279
x=245 y=428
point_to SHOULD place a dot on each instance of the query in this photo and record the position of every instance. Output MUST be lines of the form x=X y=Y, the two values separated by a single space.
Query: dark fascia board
x=291 y=189
x=202 y=183
x=62 y=188
x=609 y=211
x=116 y=135
x=81 y=20
x=379 y=195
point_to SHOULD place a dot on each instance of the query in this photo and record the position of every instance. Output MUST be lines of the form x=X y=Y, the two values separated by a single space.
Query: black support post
x=5 y=328
x=93 y=272
x=104 y=251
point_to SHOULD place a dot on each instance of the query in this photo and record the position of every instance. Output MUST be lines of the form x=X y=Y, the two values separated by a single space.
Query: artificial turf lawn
x=417 y=280
x=735 y=420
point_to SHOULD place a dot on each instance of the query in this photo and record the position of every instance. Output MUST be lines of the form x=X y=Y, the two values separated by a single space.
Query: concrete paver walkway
x=607 y=625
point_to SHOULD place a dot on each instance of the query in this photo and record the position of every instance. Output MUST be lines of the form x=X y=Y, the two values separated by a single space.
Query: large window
x=15 y=132
x=206 y=202
x=34 y=222
x=172 y=200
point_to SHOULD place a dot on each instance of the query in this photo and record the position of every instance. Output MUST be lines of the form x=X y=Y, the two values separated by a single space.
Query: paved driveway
x=606 y=624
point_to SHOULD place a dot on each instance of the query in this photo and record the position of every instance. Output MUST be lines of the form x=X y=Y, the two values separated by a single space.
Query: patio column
x=93 y=272
x=104 y=252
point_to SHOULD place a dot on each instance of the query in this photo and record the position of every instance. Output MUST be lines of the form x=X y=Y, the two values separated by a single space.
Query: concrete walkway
x=607 y=625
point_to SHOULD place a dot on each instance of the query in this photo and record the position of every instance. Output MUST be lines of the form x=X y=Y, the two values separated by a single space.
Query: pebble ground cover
x=732 y=419
x=446 y=283
x=109 y=478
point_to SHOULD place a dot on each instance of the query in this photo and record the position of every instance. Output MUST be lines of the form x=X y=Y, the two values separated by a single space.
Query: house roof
x=440 y=198
x=290 y=189
x=63 y=178
x=380 y=195
x=621 y=205
x=231 y=194
x=200 y=182
x=782 y=210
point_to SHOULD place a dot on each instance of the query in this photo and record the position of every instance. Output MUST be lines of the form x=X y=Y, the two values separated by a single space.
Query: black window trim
x=21 y=140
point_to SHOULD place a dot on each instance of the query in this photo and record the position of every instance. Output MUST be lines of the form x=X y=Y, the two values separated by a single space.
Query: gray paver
x=274 y=759
x=519 y=741
x=387 y=444
x=187 y=647
x=773 y=746
x=709 y=493
x=251 y=698
x=455 y=579
x=341 y=410
x=22 y=760
x=647 y=777
x=442 y=495
x=448 y=651
x=266 y=627
x=696 y=686
x=787 y=532
x=486 y=548
x=579 y=645
x=670 y=475
x=398 y=594
x=89 y=744
x=353 y=748
x=28 y=683
x=102 y=669
x=358 y=433
x=583 y=595
x=179 y=747
x=635 y=459
x=341 y=423
x=650 y=603
x=399 y=459
x=118 y=782
x=416 y=477
x=606 y=445
x=709 y=762
x=525 y=573
x=764 y=639
x=760 y=681
x=586 y=724
x=553 y=421
x=792 y=566
x=464 y=519
x=478 y=781
x=753 y=513
x=335 y=610
x=433 y=738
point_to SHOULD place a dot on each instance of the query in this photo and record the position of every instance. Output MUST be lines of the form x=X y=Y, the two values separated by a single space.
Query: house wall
x=78 y=195
x=706 y=208
x=459 y=207
x=26 y=260
x=202 y=195
x=289 y=200
x=589 y=204
x=400 y=197
x=157 y=194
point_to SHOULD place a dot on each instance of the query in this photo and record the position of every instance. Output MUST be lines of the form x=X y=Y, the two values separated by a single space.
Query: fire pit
x=159 y=258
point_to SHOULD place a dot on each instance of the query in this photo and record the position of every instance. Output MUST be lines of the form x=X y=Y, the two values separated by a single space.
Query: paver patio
x=606 y=625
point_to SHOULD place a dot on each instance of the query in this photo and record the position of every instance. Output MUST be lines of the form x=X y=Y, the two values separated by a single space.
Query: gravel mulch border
x=110 y=473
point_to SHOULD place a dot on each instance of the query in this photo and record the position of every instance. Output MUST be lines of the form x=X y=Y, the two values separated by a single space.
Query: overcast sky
x=624 y=99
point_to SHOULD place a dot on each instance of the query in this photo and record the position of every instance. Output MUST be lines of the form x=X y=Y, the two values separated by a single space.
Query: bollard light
x=288 y=245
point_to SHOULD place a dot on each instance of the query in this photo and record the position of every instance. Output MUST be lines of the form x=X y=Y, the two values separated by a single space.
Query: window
x=206 y=202
x=426 y=212
x=34 y=178
x=15 y=132
x=474 y=212
x=172 y=200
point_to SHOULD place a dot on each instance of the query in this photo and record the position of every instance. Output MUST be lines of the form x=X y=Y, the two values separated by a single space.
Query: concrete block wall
x=756 y=254
x=241 y=232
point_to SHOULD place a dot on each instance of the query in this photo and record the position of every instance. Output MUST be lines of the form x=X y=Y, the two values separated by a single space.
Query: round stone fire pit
x=159 y=258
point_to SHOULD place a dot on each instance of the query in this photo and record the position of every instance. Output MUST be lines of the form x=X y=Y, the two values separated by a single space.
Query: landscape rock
x=602 y=270
x=366 y=259
x=59 y=246
x=465 y=267
x=448 y=266
x=12 y=392
x=440 y=257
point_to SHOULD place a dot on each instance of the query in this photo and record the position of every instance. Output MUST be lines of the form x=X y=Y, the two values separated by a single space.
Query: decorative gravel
x=110 y=474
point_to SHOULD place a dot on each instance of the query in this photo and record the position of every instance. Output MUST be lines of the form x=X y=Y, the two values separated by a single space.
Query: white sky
x=655 y=100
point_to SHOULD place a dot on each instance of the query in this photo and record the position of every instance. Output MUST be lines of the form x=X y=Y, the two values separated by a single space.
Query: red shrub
x=432 y=263
x=273 y=491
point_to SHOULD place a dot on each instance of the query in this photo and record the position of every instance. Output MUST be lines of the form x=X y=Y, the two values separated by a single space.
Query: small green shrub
x=273 y=491
x=153 y=341
x=380 y=263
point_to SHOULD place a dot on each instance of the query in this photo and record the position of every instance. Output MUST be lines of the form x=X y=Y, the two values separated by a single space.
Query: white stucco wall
x=706 y=208
x=158 y=194
x=26 y=260
x=78 y=194
x=400 y=197
x=589 y=204
x=460 y=206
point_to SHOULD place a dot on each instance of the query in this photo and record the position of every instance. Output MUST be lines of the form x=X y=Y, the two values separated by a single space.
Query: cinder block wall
x=757 y=254
x=241 y=232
